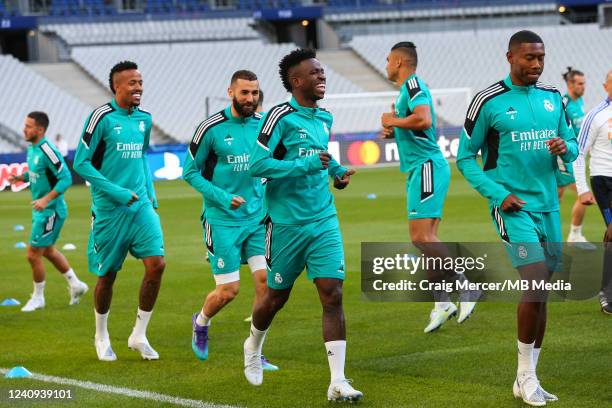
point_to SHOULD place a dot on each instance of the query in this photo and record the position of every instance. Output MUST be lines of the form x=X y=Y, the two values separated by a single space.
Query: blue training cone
x=18 y=228
x=20 y=245
x=18 y=372
x=10 y=302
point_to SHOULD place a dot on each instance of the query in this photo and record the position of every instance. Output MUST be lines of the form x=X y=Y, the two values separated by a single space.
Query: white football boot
x=438 y=317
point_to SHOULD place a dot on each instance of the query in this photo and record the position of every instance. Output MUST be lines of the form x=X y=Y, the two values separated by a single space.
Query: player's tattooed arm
x=419 y=119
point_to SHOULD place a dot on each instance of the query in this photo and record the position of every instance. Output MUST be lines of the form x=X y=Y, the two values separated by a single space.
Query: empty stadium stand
x=477 y=58
x=153 y=31
x=185 y=81
x=25 y=91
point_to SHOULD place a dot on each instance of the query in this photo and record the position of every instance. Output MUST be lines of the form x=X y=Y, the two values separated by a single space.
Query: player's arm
x=147 y=170
x=195 y=163
x=24 y=177
x=85 y=168
x=586 y=139
x=419 y=119
x=263 y=164
x=335 y=169
x=57 y=166
x=414 y=101
x=565 y=144
x=340 y=174
x=472 y=139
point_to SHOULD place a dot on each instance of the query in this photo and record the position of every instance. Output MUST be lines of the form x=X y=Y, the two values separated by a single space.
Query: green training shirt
x=510 y=125
x=289 y=140
x=415 y=146
x=575 y=111
x=217 y=166
x=112 y=157
x=47 y=171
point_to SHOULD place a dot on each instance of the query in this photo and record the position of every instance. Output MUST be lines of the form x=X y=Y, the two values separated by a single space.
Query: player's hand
x=386 y=133
x=341 y=182
x=133 y=199
x=237 y=201
x=512 y=203
x=325 y=157
x=40 y=204
x=586 y=198
x=387 y=118
x=556 y=146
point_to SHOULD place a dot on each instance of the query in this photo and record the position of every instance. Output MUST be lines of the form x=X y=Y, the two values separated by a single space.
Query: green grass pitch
x=389 y=357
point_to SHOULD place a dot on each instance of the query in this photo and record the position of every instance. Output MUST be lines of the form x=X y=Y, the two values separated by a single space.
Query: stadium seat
x=153 y=31
x=25 y=91
x=452 y=59
x=180 y=77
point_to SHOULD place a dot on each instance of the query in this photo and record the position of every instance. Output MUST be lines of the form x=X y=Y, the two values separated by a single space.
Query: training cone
x=20 y=245
x=69 y=247
x=18 y=372
x=18 y=228
x=10 y=302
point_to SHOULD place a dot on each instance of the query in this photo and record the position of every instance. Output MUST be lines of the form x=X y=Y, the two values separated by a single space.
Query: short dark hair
x=291 y=60
x=243 y=74
x=571 y=73
x=524 y=37
x=120 y=67
x=261 y=98
x=409 y=49
x=40 y=118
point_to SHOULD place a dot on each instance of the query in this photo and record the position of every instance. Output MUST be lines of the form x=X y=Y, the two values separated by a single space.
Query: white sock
x=442 y=305
x=525 y=357
x=202 y=319
x=336 y=355
x=142 y=321
x=101 y=325
x=255 y=341
x=536 y=357
x=39 y=289
x=576 y=229
x=71 y=277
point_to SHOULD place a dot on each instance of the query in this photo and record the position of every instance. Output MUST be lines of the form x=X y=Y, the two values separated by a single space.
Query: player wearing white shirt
x=596 y=138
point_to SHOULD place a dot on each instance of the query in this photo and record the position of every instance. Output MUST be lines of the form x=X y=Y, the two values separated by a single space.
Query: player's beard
x=244 y=110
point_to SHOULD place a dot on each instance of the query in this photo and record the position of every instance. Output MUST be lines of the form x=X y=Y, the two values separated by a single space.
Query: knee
x=156 y=269
x=229 y=294
x=420 y=238
x=49 y=252
x=106 y=282
x=33 y=256
x=277 y=303
x=332 y=299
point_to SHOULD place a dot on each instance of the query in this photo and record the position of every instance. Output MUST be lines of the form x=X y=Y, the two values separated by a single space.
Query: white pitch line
x=110 y=389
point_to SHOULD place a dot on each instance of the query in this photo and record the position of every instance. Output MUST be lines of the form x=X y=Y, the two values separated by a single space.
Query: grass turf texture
x=389 y=357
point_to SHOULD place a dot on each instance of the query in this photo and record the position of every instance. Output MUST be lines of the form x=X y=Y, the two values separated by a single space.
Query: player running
x=574 y=106
x=49 y=178
x=413 y=124
x=112 y=157
x=303 y=230
x=217 y=166
x=595 y=137
x=519 y=125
